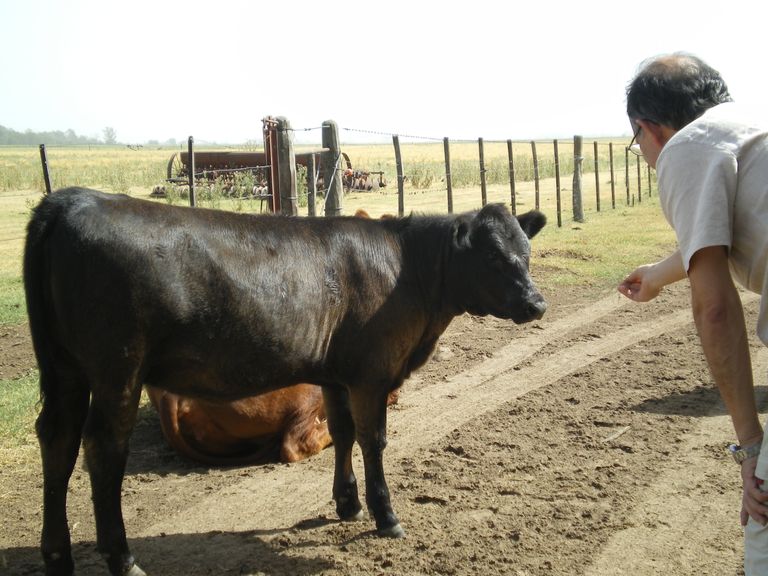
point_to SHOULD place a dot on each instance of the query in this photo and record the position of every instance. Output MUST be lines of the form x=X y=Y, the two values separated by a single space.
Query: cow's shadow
x=149 y=451
x=701 y=401
x=184 y=555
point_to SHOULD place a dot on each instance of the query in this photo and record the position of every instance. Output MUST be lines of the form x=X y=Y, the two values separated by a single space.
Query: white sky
x=159 y=69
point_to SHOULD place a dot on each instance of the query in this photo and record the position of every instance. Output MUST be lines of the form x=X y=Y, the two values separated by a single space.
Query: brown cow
x=285 y=425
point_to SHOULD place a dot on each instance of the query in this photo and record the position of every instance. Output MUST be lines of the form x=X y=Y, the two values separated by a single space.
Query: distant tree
x=110 y=136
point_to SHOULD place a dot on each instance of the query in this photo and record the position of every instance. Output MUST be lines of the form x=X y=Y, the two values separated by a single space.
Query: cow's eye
x=495 y=259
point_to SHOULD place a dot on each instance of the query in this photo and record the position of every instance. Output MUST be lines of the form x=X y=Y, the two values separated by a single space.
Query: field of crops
x=123 y=169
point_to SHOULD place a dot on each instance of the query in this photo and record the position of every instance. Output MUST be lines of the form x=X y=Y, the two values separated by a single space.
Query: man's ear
x=658 y=132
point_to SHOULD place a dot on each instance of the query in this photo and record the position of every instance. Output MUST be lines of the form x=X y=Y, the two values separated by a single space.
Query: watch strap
x=740 y=454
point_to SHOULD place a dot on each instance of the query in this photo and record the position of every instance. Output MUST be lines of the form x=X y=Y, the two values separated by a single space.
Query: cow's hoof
x=349 y=509
x=135 y=571
x=58 y=564
x=354 y=517
x=123 y=566
x=395 y=531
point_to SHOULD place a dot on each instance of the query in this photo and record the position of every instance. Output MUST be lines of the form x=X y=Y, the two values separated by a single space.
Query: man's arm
x=719 y=319
x=645 y=283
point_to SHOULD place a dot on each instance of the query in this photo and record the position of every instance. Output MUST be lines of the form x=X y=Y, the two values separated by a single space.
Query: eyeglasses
x=634 y=147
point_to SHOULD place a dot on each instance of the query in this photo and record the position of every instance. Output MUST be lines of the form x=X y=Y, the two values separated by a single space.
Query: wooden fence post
x=557 y=186
x=191 y=166
x=613 y=181
x=535 y=173
x=597 y=178
x=400 y=179
x=330 y=163
x=578 y=209
x=286 y=168
x=483 y=186
x=512 y=199
x=626 y=172
x=639 y=180
x=269 y=125
x=311 y=186
x=448 y=182
x=46 y=175
x=649 y=180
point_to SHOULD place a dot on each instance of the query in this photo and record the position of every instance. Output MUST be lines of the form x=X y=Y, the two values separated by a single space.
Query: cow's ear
x=461 y=233
x=532 y=222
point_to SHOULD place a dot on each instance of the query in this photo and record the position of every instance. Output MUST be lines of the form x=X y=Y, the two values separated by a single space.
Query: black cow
x=124 y=292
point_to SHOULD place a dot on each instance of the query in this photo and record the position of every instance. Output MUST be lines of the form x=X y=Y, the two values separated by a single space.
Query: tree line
x=12 y=137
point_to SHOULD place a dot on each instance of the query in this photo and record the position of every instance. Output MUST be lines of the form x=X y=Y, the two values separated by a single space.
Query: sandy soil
x=590 y=442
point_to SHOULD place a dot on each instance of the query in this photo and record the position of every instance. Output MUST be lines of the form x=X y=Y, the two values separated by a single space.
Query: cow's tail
x=39 y=311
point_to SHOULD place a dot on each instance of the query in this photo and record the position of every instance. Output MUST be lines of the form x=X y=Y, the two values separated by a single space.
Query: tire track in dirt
x=657 y=542
x=260 y=501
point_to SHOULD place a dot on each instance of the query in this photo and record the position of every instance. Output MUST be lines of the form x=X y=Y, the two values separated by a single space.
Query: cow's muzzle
x=532 y=309
x=536 y=309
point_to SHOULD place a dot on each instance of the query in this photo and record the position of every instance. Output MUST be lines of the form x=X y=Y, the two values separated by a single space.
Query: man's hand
x=753 y=500
x=645 y=282
x=639 y=285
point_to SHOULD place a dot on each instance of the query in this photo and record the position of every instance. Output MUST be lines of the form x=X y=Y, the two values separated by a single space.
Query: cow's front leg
x=369 y=413
x=342 y=430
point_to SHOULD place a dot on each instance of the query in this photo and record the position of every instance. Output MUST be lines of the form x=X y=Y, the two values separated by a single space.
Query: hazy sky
x=159 y=69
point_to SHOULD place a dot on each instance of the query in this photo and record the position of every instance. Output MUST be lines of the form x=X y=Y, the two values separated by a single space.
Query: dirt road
x=591 y=442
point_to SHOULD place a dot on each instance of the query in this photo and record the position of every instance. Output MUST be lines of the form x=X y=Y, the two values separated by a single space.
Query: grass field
x=595 y=253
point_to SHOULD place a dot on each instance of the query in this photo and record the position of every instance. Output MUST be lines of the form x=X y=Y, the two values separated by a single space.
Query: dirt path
x=679 y=508
x=589 y=443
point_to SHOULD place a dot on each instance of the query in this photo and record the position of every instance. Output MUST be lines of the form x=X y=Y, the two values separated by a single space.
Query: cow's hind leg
x=370 y=417
x=106 y=435
x=342 y=429
x=59 y=426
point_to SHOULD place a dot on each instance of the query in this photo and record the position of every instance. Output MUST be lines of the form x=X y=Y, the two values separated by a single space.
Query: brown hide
x=286 y=425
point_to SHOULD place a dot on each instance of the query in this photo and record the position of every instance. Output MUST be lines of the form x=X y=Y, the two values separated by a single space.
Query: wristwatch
x=740 y=454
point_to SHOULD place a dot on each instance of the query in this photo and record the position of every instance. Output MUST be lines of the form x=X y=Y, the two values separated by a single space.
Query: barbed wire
x=518 y=141
x=379 y=133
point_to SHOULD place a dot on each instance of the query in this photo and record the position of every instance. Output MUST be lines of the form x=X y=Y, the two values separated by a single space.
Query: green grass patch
x=605 y=248
x=12 y=305
x=18 y=410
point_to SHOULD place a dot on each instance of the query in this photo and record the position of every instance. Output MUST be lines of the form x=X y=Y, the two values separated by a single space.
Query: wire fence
x=520 y=173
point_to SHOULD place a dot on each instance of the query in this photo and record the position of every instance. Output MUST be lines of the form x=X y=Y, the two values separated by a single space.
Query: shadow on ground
x=215 y=553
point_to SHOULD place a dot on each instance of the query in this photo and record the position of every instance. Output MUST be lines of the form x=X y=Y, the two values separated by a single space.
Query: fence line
x=535 y=166
x=497 y=163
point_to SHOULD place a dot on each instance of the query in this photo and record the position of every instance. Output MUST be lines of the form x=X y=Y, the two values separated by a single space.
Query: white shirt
x=713 y=186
